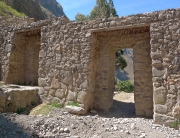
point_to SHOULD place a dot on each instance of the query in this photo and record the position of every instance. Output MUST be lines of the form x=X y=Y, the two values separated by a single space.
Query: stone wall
x=76 y=60
x=165 y=55
x=64 y=64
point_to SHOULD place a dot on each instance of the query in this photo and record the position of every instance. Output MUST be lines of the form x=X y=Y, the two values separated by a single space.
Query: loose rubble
x=60 y=124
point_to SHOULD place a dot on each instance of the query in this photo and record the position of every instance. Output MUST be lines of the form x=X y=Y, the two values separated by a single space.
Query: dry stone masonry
x=74 y=61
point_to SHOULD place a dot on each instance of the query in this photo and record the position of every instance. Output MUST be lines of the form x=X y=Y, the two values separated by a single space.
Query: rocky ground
x=120 y=122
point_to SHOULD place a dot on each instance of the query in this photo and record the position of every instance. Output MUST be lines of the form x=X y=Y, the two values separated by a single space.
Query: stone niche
x=24 y=58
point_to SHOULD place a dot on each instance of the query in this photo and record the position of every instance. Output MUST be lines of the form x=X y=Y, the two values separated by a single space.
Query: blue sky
x=123 y=7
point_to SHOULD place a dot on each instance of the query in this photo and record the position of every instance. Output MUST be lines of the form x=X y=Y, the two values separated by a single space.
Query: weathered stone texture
x=24 y=59
x=76 y=60
x=13 y=98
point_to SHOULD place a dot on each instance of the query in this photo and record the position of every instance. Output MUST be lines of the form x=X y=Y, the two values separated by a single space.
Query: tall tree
x=120 y=62
x=102 y=9
x=113 y=11
x=81 y=17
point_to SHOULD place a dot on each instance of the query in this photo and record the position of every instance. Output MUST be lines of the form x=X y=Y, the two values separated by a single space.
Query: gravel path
x=60 y=124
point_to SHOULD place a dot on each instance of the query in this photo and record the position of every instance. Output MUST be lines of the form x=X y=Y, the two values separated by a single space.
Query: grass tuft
x=73 y=104
x=47 y=108
x=175 y=124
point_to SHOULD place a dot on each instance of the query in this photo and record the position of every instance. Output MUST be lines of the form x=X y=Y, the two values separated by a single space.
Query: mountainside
x=37 y=9
x=128 y=72
x=52 y=6
x=7 y=12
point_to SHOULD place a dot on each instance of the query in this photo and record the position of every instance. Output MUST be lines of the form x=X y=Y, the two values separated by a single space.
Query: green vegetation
x=33 y=103
x=44 y=110
x=125 y=86
x=7 y=11
x=102 y=9
x=120 y=62
x=47 y=108
x=20 y=110
x=57 y=105
x=73 y=103
x=175 y=124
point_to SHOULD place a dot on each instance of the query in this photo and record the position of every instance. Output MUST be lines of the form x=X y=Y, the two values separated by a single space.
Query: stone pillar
x=143 y=90
x=104 y=77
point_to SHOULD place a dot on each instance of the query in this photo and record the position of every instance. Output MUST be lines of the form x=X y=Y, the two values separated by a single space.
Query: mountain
x=37 y=9
x=52 y=7
x=7 y=12
x=128 y=72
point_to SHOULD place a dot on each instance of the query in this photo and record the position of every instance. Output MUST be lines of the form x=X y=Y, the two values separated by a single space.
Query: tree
x=81 y=17
x=113 y=11
x=102 y=9
x=120 y=62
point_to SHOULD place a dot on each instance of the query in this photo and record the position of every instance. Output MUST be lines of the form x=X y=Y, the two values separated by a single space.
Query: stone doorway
x=24 y=58
x=105 y=44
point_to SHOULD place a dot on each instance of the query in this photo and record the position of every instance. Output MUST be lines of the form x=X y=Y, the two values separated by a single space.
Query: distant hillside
x=128 y=72
x=7 y=12
x=37 y=9
x=53 y=7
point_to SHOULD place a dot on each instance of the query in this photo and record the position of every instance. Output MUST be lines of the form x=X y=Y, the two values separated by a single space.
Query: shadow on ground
x=120 y=110
x=10 y=129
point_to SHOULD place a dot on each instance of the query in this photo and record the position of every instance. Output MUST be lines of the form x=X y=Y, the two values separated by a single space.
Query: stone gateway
x=74 y=61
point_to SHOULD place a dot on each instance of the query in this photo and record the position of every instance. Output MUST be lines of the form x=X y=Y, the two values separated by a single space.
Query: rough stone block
x=41 y=82
x=176 y=112
x=160 y=95
x=161 y=109
x=52 y=92
x=81 y=96
x=55 y=83
x=163 y=119
x=74 y=110
x=41 y=91
x=71 y=96
x=157 y=73
x=60 y=93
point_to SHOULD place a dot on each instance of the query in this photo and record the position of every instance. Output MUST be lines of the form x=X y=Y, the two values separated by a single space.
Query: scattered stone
x=74 y=109
x=66 y=130
x=93 y=111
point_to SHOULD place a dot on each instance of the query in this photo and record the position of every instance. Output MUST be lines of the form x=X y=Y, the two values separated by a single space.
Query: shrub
x=20 y=110
x=125 y=86
x=175 y=124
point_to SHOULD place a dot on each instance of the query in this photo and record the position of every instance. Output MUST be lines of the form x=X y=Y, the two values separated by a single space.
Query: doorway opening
x=106 y=43
x=123 y=99
x=24 y=58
